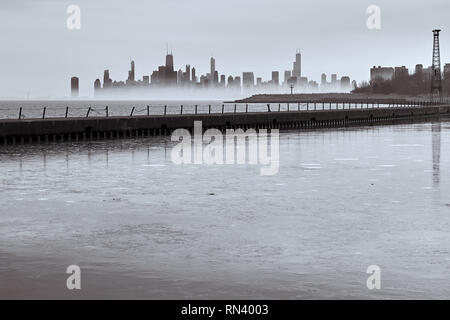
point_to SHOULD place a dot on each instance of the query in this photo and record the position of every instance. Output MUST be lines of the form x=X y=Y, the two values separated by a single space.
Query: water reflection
x=436 y=150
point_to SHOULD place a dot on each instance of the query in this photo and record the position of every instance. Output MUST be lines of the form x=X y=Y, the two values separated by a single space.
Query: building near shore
x=381 y=73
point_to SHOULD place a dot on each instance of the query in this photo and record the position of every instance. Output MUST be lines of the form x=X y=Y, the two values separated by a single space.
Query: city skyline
x=246 y=82
x=41 y=55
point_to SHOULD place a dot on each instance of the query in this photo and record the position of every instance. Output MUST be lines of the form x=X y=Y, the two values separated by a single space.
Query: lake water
x=140 y=226
x=97 y=108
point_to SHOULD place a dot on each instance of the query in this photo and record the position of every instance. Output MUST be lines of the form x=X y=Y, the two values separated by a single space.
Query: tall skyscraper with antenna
x=212 y=64
x=436 y=77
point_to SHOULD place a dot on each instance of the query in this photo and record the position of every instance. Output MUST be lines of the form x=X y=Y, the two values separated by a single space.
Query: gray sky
x=39 y=54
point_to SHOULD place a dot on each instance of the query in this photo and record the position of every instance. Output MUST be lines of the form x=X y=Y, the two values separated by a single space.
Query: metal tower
x=436 y=78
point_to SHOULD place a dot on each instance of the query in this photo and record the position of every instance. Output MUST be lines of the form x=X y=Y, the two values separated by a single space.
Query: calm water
x=142 y=227
x=35 y=109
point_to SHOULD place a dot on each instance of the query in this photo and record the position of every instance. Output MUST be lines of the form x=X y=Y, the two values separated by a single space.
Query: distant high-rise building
x=447 y=71
x=187 y=74
x=131 y=73
x=323 y=79
x=169 y=62
x=287 y=75
x=222 y=80
x=275 y=78
x=237 y=81
x=313 y=85
x=193 y=77
x=297 y=69
x=171 y=75
x=345 y=83
x=292 y=81
x=381 y=73
x=302 y=81
x=216 y=78
x=230 y=81
x=248 y=80
x=419 y=69
x=165 y=75
x=212 y=65
x=74 y=87
x=333 y=78
x=428 y=71
x=400 y=72
x=446 y=82
x=107 y=82
x=204 y=80
x=97 y=85
x=146 y=80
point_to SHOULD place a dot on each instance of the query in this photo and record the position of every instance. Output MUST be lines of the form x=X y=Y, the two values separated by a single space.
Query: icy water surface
x=142 y=227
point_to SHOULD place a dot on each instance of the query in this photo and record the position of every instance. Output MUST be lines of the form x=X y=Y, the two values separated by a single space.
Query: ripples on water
x=140 y=226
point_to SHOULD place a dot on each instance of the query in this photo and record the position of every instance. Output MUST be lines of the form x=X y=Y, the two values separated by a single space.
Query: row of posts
x=396 y=104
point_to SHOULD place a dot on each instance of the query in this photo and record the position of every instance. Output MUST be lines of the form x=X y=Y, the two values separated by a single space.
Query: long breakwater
x=315 y=116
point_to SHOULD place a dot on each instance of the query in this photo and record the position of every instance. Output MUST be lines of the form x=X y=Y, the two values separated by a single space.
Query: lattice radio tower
x=436 y=78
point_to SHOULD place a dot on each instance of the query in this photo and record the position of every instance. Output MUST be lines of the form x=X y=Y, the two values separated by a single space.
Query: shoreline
x=331 y=97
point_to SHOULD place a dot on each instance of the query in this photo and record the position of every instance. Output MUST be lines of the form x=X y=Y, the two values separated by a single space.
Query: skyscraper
x=248 y=80
x=345 y=83
x=230 y=81
x=187 y=74
x=216 y=78
x=419 y=69
x=74 y=86
x=97 y=85
x=275 y=78
x=131 y=75
x=194 y=78
x=169 y=62
x=334 y=82
x=107 y=82
x=170 y=73
x=165 y=75
x=180 y=76
x=297 y=70
x=237 y=81
x=212 y=64
x=287 y=75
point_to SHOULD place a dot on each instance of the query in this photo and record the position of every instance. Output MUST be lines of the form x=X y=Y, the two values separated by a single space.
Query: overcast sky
x=39 y=54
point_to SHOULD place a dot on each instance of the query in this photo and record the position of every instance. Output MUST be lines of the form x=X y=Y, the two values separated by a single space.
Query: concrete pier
x=94 y=128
